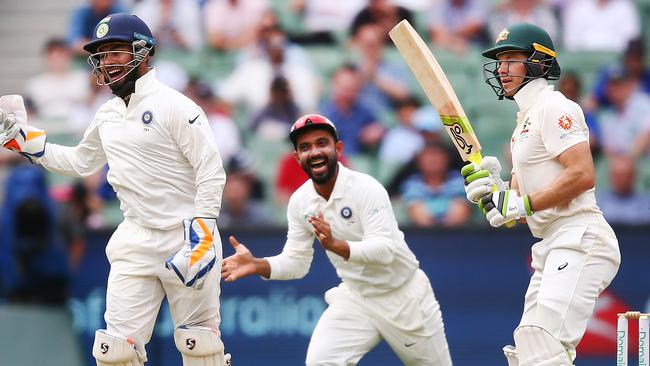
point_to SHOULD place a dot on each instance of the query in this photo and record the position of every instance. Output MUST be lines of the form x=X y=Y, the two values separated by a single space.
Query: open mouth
x=115 y=73
x=318 y=165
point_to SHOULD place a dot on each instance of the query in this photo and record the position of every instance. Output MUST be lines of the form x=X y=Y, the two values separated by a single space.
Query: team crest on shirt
x=346 y=212
x=565 y=122
x=147 y=117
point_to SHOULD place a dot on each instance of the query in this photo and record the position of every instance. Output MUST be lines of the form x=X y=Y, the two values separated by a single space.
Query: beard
x=332 y=166
x=126 y=86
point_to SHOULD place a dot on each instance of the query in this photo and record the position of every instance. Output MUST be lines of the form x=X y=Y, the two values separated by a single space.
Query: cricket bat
x=433 y=80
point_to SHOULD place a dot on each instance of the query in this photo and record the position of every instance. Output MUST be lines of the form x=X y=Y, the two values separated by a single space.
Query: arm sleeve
x=378 y=222
x=197 y=144
x=298 y=252
x=79 y=161
x=563 y=127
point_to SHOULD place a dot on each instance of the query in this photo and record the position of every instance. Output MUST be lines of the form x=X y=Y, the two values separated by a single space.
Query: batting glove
x=196 y=258
x=505 y=206
x=482 y=179
x=15 y=133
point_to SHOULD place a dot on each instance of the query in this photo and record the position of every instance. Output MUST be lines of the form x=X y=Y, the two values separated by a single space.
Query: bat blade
x=439 y=91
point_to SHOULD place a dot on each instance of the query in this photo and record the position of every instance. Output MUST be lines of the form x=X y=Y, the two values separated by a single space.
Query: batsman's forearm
x=568 y=185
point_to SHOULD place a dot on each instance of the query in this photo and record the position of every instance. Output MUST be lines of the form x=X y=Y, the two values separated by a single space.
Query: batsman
x=166 y=169
x=551 y=189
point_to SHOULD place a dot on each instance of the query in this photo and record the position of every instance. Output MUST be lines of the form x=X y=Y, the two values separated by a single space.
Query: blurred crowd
x=254 y=66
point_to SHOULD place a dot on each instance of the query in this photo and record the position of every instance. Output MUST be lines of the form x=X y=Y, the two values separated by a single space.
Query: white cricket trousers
x=138 y=281
x=575 y=261
x=408 y=318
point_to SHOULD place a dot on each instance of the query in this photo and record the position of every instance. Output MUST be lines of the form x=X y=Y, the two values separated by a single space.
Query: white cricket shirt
x=547 y=124
x=163 y=161
x=358 y=211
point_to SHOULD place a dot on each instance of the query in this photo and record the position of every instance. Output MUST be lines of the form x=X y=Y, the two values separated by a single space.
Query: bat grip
x=476 y=159
x=508 y=224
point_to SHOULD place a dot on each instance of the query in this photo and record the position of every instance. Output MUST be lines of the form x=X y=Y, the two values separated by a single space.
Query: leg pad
x=112 y=349
x=537 y=347
x=200 y=346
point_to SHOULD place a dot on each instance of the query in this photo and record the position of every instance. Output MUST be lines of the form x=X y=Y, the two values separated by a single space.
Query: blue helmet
x=121 y=27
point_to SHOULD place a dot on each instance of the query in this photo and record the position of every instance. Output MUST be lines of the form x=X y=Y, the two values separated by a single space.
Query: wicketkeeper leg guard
x=200 y=346
x=112 y=349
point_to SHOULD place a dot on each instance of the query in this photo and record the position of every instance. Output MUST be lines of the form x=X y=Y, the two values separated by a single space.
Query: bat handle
x=508 y=224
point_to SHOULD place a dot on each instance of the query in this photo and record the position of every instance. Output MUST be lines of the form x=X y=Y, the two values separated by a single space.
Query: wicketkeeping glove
x=198 y=255
x=505 y=206
x=15 y=133
x=482 y=179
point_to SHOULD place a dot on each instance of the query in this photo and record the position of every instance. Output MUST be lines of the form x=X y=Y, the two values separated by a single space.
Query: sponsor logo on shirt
x=525 y=130
x=565 y=122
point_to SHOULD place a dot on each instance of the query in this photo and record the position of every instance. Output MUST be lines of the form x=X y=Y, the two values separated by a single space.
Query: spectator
x=571 y=86
x=275 y=119
x=625 y=126
x=174 y=23
x=622 y=203
x=267 y=28
x=239 y=209
x=84 y=111
x=357 y=125
x=80 y=212
x=57 y=90
x=34 y=266
x=523 y=11
x=383 y=13
x=225 y=131
x=304 y=83
x=384 y=82
x=435 y=196
x=457 y=24
x=403 y=141
x=85 y=18
x=230 y=25
x=632 y=62
x=323 y=19
x=600 y=25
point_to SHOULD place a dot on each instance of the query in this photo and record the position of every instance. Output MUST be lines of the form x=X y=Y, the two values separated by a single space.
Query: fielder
x=168 y=175
x=383 y=293
x=552 y=188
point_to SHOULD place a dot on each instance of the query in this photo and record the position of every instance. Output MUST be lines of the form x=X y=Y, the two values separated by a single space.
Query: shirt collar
x=341 y=182
x=339 y=186
x=526 y=96
x=146 y=83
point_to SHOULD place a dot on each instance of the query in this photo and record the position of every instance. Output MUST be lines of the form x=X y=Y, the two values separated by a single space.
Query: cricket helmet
x=119 y=28
x=531 y=39
x=310 y=121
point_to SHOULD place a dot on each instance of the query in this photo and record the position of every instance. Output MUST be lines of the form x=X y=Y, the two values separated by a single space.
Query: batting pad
x=200 y=346
x=537 y=347
x=115 y=350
